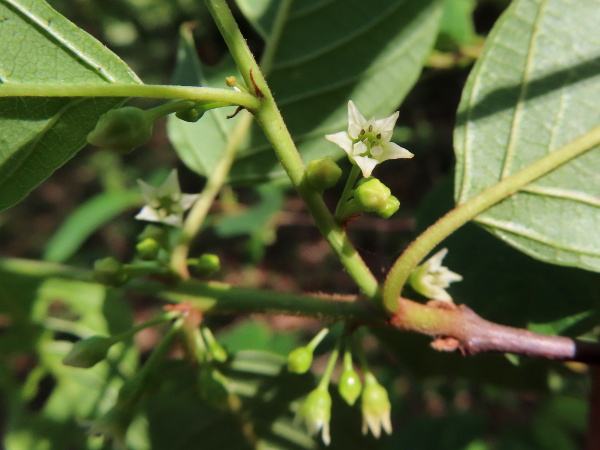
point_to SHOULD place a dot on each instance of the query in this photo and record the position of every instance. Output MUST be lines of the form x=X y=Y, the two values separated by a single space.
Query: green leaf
x=535 y=89
x=373 y=55
x=457 y=27
x=86 y=219
x=38 y=135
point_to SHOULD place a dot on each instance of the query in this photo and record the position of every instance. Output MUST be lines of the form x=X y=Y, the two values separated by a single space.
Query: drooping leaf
x=370 y=52
x=535 y=89
x=38 y=135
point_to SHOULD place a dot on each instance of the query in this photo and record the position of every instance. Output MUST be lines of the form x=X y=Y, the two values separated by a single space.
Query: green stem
x=270 y=120
x=130 y=90
x=215 y=182
x=312 y=345
x=362 y=358
x=326 y=378
x=169 y=108
x=464 y=212
x=350 y=182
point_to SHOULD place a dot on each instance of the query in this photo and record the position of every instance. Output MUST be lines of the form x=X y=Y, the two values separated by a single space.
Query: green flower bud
x=349 y=385
x=191 y=115
x=147 y=249
x=109 y=271
x=88 y=352
x=122 y=129
x=299 y=360
x=323 y=173
x=207 y=264
x=372 y=195
x=391 y=206
x=217 y=351
x=376 y=407
x=316 y=413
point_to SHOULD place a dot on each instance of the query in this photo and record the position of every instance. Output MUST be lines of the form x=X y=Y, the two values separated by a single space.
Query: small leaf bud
x=299 y=360
x=349 y=385
x=88 y=352
x=207 y=264
x=122 y=129
x=147 y=249
x=392 y=205
x=372 y=195
x=109 y=271
x=323 y=173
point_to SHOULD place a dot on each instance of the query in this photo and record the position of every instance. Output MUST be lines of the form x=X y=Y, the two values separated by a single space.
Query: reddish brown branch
x=460 y=328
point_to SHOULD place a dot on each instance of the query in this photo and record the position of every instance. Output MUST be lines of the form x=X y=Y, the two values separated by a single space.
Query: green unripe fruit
x=147 y=249
x=372 y=195
x=207 y=264
x=299 y=360
x=323 y=173
x=391 y=206
x=88 y=352
x=350 y=385
x=109 y=271
x=122 y=129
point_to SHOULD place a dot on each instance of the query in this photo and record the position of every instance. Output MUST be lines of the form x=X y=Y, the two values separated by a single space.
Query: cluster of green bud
x=122 y=129
x=323 y=173
x=371 y=195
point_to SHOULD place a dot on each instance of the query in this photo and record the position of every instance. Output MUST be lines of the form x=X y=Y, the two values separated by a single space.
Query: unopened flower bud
x=147 y=249
x=192 y=114
x=207 y=264
x=349 y=385
x=109 y=271
x=122 y=129
x=391 y=206
x=372 y=195
x=299 y=360
x=376 y=407
x=316 y=413
x=88 y=352
x=323 y=173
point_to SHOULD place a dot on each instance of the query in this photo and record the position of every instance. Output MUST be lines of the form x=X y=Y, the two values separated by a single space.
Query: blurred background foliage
x=265 y=239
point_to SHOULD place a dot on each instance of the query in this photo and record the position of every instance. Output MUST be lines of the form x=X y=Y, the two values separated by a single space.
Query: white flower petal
x=385 y=126
x=365 y=164
x=394 y=151
x=356 y=121
x=149 y=214
x=341 y=139
x=187 y=200
x=171 y=185
x=147 y=191
x=359 y=149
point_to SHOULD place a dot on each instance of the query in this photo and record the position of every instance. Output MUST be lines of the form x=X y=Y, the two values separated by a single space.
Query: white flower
x=376 y=407
x=166 y=203
x=431 y=278
x=367 y=142
x=316 y=413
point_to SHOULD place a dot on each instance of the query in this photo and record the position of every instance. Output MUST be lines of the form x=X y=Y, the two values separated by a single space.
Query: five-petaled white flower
x=166 y=203
x=431 y=278
x=367 y=142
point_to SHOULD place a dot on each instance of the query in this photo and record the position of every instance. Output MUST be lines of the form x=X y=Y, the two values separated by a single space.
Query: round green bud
x=122 y=129
x=299 y=360
x=349 y=385
x=88 y=352
x=391 y=206
x=207 y=264
x=109 y=271
x=147 y=249
x=372 y=195
x=191 y=115
x=323 y=173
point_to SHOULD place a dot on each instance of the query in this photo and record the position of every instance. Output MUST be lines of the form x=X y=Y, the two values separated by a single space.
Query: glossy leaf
x=372 y=55
x=535 y=89
x=38 y=135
